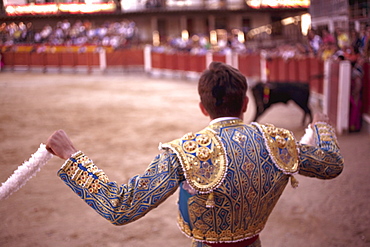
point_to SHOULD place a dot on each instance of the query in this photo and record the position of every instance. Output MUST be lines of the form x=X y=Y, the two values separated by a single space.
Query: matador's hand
x=60 y=145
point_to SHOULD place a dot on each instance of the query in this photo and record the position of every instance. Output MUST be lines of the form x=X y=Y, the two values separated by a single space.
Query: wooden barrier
x=37 y=60
x=21 y=58
x=68 y=59
x=250 y=65
x=170 y=61
x=272 y=69
x=282 y=73
x=292 y=69
x=308 y=69
x=197 y=63
x=158 y=60
x=366 y=89
x=218 y=57
x=133 y=57
x=8 y=58
x=303 y=70
x=183 y=62
x=75 y=57
x=46 y=60
x=333 y=93
x=316 y=74
x=114 y=58
x=52 y=60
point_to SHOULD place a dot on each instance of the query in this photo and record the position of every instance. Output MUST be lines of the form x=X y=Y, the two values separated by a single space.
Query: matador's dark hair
x=222 y=90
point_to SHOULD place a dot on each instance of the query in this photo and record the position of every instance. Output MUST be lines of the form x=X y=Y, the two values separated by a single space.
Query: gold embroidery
x=239 y=138
x=226 y=123
x=203 y=159
x=238 y=216
x=197 y=234
x=188 y=136
x=226 y=236
x=203 y=140
x=203 y=153
x=326 y=133
x=207 y=234
x=183 y=225
x=190 y=146
x=282 y=147
x=81 y=170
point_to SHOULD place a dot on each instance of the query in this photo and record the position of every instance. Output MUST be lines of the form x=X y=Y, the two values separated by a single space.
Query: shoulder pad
x=203 y=159
x=282 y=147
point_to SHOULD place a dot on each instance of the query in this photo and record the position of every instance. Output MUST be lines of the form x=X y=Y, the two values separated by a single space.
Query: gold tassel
x=293 y=181
x=210 y=201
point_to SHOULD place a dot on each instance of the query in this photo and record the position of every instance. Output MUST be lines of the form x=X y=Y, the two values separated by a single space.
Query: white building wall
x=127 y=5
x=331 y=22
x=183 y=3
x=235 y=3
x=14 y=2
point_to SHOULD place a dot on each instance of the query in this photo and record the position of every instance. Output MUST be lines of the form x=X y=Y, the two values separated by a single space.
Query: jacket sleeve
x=321 y=158
x=122 y=204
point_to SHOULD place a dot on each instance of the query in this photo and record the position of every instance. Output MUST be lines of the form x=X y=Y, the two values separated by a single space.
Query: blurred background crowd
x=80 y=33
x=121 y=34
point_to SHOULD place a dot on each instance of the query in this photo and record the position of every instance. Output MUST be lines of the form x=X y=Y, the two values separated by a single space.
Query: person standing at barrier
x=315 y=41
x=230 y=174
x=1 y=61
x=355 y=113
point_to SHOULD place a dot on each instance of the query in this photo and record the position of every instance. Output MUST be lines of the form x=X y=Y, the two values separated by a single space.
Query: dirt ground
x=118 y=120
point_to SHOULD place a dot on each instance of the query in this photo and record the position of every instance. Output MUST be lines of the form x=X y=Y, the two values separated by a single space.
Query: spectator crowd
x=118 y=34
x=115 y=34
x=341 y=45
x=323 y=44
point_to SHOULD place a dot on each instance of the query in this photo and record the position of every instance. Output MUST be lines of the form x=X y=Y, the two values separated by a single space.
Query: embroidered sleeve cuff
x=83 y=171
x=325 y=134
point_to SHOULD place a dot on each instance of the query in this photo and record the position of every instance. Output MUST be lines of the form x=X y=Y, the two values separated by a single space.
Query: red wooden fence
x=366 y=89
x=47 y=60
x=308 y=69
x=334 y=90
x=250 y=64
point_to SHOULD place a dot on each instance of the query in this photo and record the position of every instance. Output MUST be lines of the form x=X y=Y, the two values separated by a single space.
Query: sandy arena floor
x=118 y=120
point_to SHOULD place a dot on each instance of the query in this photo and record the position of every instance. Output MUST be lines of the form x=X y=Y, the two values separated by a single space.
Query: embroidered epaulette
x=282 y=147
x=203 y=159
x=325 y=134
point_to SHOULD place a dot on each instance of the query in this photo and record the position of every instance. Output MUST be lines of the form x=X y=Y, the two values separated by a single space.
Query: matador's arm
x=122 y=204
x=322 y=158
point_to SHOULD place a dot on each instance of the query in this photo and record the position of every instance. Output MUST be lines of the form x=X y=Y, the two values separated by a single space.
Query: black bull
x=267 y=94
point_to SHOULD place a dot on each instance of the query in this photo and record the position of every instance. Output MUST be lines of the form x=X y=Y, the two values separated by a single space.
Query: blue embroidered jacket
x=230 y=175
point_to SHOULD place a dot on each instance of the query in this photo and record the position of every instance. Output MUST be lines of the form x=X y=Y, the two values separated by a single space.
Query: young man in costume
x=230 y=174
